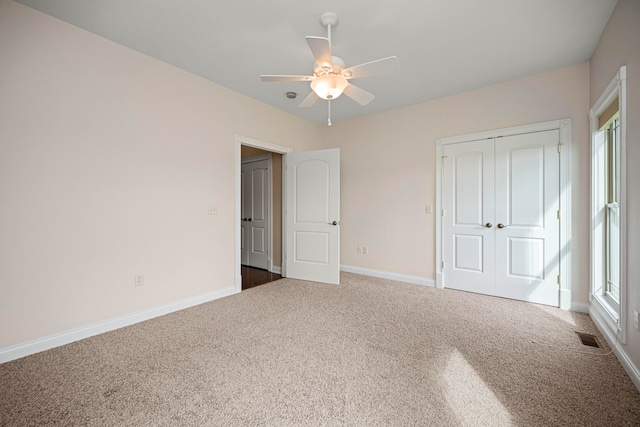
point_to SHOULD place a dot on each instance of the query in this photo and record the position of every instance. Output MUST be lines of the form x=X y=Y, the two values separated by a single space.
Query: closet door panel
x=527 y=202
x=467 y=195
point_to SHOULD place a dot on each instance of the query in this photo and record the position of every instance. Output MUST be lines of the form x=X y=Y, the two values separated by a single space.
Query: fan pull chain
x=329 y=120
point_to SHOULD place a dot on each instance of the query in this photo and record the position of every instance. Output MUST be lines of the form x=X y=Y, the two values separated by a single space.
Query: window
x=612 y=210
x=608 y=212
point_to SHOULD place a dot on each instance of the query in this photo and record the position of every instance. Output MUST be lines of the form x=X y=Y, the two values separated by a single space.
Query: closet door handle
x=488 y=225
x=501 y=226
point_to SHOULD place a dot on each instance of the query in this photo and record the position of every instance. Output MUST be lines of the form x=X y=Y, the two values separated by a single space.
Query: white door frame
x=564 y=126
x=239 y=142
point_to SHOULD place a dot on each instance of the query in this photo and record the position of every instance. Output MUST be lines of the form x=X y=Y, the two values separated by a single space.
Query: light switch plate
x=138 y=279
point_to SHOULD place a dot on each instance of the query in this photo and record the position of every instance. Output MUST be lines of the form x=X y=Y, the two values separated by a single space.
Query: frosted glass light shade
x=329 y=86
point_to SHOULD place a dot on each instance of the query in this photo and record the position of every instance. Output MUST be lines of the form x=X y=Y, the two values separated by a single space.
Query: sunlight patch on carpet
x=469 y=398
x=564 y=315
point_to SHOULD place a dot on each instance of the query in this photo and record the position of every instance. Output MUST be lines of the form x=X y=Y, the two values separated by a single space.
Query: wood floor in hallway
x=252 y=277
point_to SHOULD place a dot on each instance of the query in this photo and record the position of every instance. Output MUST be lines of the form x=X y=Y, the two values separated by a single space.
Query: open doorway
x=268 y=147
x=311 y=249
x=260 y=216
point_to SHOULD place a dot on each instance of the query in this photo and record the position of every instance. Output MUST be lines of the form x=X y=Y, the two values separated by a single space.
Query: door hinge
x=442 y=264
x=442 y=212
x=560 y=147
x=558 y=279
x=444 y=159
x=558 y=213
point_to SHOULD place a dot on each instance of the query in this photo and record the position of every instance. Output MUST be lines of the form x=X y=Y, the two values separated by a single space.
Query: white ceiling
x=443 y=46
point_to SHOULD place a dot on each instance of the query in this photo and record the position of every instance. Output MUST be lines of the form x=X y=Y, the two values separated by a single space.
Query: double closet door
x=255 y=220
x=500 y=226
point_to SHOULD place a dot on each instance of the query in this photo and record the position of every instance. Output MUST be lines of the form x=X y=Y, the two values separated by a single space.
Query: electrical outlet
x=429 y=209
x=635 y=319
x=213 y=210
x=138 y=279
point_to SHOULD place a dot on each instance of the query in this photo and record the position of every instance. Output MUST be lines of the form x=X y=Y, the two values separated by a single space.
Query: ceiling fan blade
x=361 y=96
x=310 y=100
x=266 y=79
x=374 y=68
x=321 y=50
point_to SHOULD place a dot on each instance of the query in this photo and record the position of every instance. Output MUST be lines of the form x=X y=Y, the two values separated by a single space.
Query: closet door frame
x=564 y=127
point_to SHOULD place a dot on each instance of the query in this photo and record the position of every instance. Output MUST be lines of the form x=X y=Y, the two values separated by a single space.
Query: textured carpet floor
x=368 y=352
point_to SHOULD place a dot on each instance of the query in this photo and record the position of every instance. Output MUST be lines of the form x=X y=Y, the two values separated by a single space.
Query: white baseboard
x=416 y=280
x=579 y=307
x=27 y=348
x=625 y=361
x=276 y=269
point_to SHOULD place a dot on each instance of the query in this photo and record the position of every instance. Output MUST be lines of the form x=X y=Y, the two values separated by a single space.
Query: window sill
x=609 y=317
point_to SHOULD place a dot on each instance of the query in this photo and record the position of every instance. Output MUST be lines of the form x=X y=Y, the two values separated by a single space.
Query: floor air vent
x=588 y=339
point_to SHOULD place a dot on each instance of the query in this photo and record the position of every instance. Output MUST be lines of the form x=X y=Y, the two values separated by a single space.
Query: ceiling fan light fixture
x=329 y=86
x=330 y=77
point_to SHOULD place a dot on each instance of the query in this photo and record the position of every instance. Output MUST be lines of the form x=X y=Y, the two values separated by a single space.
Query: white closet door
x=468 y=217
x=527 y=202
x=500 y=228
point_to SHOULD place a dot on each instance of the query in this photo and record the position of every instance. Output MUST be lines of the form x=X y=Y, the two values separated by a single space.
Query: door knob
x=249 y=219
x=333 y=223
x=488 y=225
x=501 y=226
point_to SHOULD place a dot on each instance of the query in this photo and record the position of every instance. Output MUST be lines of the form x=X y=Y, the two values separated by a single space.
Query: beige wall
x=618 y=46
x=388 y=167
x=276 y=172
x=108 y=161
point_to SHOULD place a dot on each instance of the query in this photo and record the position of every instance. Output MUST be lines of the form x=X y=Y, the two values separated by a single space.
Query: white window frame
x=611 y=317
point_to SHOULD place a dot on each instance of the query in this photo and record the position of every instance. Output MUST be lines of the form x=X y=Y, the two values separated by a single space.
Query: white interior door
x=312 y=216
x=500 y=227
x=255 y=243
x=244 y=208
x=528 y=230
x=468 y=217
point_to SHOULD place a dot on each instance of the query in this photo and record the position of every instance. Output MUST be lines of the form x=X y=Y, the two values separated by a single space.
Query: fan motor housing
x=338 y=66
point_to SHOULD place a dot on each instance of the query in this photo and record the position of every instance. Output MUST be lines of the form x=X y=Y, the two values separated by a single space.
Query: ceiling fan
x=330 y=77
